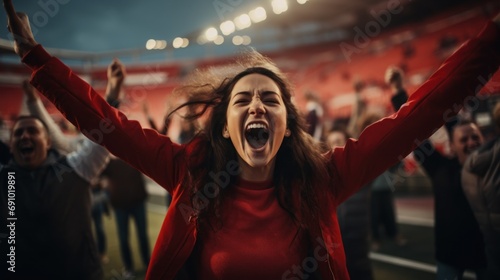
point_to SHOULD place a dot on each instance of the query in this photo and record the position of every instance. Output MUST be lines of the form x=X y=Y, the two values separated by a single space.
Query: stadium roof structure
x=312 y=21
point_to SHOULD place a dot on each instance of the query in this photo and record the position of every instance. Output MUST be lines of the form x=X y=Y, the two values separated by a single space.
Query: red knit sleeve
x=153 y=154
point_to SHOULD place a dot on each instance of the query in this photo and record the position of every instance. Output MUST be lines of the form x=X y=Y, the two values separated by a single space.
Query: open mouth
x=257 y=135
x=26 y=149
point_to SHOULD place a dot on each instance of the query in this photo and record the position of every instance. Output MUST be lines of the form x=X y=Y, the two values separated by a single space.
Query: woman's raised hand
x=19 y=25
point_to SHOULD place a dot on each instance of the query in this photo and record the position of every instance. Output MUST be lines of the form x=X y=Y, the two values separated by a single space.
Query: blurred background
x=326 y=47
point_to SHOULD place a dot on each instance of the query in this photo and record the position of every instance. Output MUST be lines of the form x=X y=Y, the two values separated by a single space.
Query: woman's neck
x=256 y=174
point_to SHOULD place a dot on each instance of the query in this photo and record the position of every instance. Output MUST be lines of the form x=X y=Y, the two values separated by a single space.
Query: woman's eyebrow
x=269 y=92
x=262 y=93
x=246 y=93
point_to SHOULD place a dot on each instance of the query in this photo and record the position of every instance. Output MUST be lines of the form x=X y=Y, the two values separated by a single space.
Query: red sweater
x=258 y=239
x=379 y=146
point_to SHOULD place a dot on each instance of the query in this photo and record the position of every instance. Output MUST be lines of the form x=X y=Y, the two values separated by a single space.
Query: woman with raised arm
x=253 y=197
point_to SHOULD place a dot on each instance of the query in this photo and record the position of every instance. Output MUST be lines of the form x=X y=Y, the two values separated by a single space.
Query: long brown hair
x=300 y=168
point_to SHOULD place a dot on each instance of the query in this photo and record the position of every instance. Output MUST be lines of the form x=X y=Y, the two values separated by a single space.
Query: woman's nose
x=256 y=106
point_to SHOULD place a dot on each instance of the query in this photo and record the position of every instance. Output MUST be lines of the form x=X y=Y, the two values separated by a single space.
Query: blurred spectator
x=336 y=138
x=53 y=226
x=152 y=124
x=314 y=116
x=481 y=185
x=358 y=108
x=383 y=212
x=35 y=107
x=446 y=45
x=186 y=133
x=126 y=188
x=64 y=145
x=394 y=79
x=458 y=241
x=382 y=206
x=164 y=130
x=354 y=219
x=99 y=207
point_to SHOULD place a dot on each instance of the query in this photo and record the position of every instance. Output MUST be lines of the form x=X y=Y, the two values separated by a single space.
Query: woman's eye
x=271 y=100
x=239 y=101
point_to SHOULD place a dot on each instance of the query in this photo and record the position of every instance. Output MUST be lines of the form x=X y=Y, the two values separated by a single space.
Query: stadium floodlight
x=279 y=6
x=237 y=40
x=219 y=40
x=227 y=27
x=243 y=21
x=202 y=39
x=246 y=40
x=211 y=34
x=258 y=14
x=150 y=44
x=160 y=44
x=177 y=43
x=302 y=1
x=185 y=42
x=153 y=44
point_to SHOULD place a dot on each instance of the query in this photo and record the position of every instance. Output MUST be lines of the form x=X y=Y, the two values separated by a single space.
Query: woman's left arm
x=390 y=139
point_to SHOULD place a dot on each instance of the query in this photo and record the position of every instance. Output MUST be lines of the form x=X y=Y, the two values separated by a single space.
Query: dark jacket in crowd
x=354 y=221
x=126 y=186
x=458 y=240
x=481 y=185
x=52 y=226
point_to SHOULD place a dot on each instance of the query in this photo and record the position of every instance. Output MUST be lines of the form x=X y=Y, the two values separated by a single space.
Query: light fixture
x=246 y=40
x=219 y=40
x=243 y=21
x=279 y=6
x=237 y=40
x=258 y=14
x=150 y=44
x=211 y=34
x=227 y=27
x=177 y=43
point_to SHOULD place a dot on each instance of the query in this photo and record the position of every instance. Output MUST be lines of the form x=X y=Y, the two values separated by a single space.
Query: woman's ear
x=225 y=132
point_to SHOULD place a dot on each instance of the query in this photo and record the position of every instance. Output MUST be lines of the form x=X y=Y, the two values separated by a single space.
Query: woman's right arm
x=145 y=149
